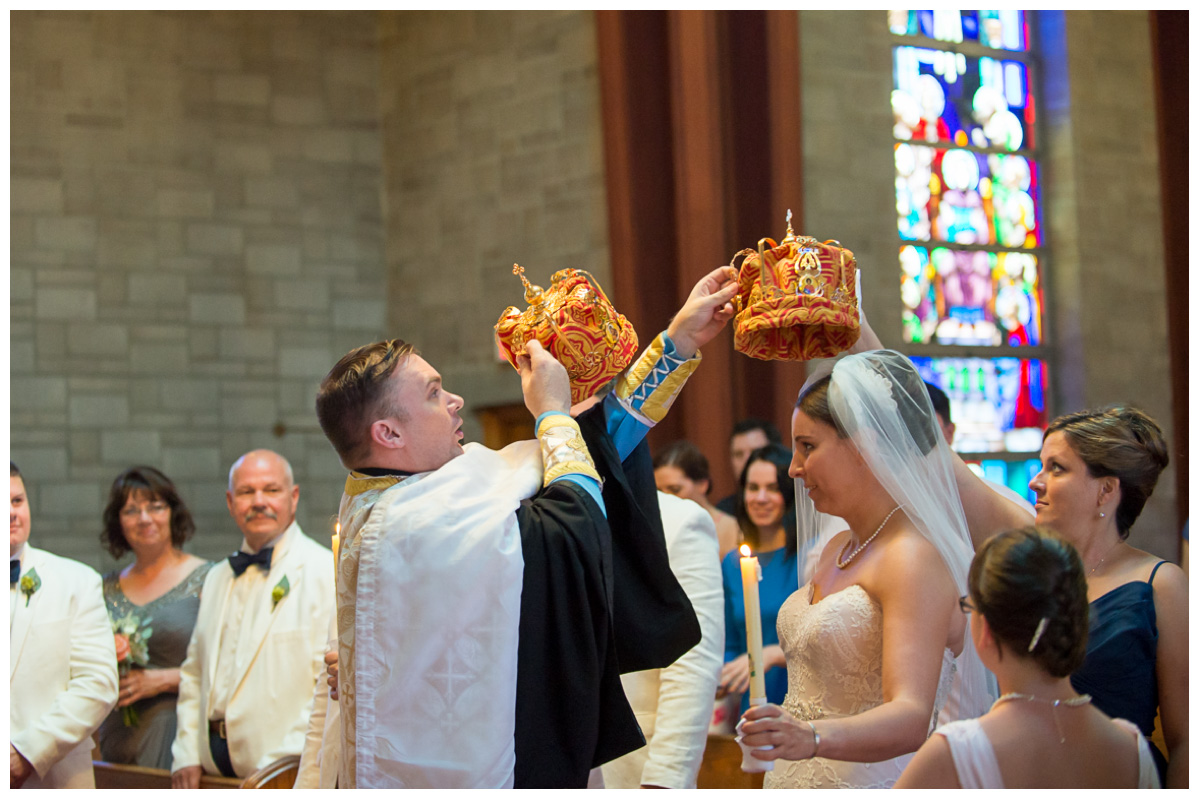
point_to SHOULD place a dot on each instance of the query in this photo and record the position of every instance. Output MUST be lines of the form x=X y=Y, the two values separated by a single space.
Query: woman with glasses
x=1028 y=607
x=160 y=593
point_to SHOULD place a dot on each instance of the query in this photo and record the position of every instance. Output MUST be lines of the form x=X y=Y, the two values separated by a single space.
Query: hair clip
x=1037 y=634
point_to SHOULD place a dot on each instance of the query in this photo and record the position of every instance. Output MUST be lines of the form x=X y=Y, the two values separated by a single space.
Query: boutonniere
x=279 y=592
x=30 y=583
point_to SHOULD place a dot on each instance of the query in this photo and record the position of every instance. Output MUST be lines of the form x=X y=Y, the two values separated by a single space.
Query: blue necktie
x=240 y=561
x=14 y=571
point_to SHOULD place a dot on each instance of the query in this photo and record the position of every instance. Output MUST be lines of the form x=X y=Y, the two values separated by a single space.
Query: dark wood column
x=1169 y=35
x=702 y=146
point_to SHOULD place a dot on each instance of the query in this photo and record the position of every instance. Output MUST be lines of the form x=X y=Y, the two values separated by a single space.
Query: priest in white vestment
x=484 y=604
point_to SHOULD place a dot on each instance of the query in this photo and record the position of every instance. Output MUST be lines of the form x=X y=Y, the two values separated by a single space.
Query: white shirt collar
x=278 y=542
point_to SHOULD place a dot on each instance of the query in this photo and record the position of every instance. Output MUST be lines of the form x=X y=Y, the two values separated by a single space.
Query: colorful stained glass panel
x=970 y=297
x=1016 y=475
x=964 y=197
x=996 y=404
x=1004 y=29
x=939 y=96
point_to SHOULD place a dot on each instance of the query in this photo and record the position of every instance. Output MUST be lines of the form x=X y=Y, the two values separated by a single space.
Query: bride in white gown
x=871 y=641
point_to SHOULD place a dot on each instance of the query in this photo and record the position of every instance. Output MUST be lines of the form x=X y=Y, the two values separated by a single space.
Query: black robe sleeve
x=571 y=711
x=598 y=598
x=653 y=619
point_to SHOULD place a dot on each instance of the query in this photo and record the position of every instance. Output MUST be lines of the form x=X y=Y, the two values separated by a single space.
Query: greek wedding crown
x=577 y=323
x=797 y=300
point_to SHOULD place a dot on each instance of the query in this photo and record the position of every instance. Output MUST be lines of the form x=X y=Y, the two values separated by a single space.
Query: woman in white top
x=1028 y=612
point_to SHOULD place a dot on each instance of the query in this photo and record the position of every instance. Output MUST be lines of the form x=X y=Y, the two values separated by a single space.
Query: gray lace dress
x=173 y=616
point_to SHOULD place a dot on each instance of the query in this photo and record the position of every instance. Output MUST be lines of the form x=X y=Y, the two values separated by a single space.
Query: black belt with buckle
x=216 y=727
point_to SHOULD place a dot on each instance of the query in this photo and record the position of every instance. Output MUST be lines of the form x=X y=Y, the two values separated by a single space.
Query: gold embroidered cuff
x=655 y=380
x=563 y=449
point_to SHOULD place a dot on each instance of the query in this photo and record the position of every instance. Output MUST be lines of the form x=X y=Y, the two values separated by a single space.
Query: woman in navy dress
x=1098 y=470
x=765 y=513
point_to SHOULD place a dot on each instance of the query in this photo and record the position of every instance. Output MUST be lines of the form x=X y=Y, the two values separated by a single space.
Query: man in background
x=246 y=687
x=673 y=705
x=747 y=436
x=62 y=660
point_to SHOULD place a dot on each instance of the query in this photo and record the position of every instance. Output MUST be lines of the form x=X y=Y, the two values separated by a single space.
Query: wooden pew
x=280 y=774
x=128 y=776
x=722 y=766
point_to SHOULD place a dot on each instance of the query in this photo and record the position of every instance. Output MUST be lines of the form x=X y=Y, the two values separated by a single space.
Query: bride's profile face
x=824 y=461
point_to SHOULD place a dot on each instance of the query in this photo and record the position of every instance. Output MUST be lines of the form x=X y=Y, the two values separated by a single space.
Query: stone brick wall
x=209 y=208
x=1105 y=285
x=492 y=155
x=196 y=237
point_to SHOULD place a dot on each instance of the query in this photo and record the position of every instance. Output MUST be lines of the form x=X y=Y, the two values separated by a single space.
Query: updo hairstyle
x=1122 y=442
x=1022 y=576
x=687 y=458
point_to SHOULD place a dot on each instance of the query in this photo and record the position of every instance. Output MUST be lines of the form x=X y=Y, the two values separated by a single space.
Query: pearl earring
x=1101 y=515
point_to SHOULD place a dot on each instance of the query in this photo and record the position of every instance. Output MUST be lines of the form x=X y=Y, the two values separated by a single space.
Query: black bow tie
x=14 y=570
x=240 y=561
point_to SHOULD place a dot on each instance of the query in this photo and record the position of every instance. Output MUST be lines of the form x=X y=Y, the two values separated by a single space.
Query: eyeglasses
x=964 y=605
x=153 y=509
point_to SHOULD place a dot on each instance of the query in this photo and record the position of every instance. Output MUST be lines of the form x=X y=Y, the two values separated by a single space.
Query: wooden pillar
x=701 y=241
x=701 y=115
x=1169 y=35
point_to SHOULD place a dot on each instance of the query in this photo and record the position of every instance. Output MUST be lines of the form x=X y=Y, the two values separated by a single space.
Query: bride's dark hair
x=1021 y=577
x=916 y=409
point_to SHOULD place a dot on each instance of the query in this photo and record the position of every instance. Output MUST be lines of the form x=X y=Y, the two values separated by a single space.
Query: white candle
x=337 y=540
x=751 y=575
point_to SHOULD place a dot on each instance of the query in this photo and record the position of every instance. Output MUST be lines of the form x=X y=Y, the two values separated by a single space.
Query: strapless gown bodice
x=834 y=655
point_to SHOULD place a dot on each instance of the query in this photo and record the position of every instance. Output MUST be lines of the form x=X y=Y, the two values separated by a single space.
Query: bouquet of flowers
x=132 y=636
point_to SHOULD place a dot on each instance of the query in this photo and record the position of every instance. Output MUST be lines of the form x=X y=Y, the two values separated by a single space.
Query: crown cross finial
x=791 y=234
x=533 y=294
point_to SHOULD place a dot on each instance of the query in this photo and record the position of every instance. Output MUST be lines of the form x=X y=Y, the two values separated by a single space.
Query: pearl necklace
x=843 y=562
x=1073 y=702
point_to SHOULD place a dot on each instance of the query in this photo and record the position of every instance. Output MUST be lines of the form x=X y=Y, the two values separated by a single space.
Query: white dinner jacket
x=267 y=715
x=322 y=756
x=674 y=705
x=62 y=671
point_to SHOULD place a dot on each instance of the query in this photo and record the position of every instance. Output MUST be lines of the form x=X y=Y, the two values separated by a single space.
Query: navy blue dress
x=1119 y=671
x=780 y=579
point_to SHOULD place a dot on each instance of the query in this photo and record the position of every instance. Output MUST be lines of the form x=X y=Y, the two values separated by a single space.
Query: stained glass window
x=972 y=297
x=997 y=404
x=951 y=98
x=969 y=224
x=1003 y=30
x=1016 y=475
x=965 y=197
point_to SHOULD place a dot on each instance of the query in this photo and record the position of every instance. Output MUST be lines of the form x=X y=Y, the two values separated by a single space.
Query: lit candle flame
x=337 y=527
x=745 y=550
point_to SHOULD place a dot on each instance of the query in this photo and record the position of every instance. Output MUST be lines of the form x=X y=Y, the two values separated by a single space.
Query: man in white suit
x=246 y=687
x=674 y=705
x=62 y=660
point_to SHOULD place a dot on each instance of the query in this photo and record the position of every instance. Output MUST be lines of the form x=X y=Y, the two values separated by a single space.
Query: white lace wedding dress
x=834 y=655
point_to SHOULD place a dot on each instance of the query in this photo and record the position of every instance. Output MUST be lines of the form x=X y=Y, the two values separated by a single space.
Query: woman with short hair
x=1099 y=468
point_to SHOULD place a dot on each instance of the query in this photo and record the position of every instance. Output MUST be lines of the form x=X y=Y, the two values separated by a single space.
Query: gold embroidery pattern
x=563 y=449
x=655 y=380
